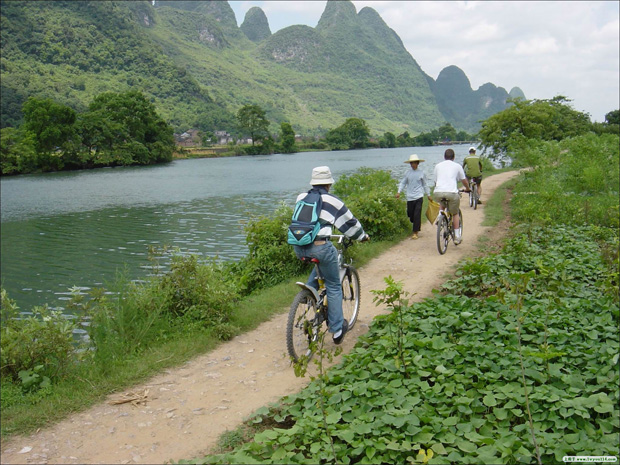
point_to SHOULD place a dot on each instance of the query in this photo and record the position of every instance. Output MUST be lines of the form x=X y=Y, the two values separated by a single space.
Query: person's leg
x=411 y=212
x=328 y=256
x=417 y=214
x=453 y=206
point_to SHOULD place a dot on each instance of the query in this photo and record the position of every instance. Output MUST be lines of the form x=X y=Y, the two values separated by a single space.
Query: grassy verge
x=88 y=385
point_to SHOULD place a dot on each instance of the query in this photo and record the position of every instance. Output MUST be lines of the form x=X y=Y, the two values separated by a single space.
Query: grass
x=496 y=207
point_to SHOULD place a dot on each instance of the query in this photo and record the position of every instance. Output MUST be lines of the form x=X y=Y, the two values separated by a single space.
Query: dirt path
x=189 y=407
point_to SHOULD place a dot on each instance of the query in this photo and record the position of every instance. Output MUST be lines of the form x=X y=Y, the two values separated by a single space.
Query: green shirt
x=472 y=166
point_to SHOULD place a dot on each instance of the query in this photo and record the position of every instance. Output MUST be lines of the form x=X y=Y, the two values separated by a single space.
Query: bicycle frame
x=321 y=292
x=309 y=309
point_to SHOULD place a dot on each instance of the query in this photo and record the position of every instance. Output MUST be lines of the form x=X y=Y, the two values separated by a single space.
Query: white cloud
x=544 y=47
x=537 y=46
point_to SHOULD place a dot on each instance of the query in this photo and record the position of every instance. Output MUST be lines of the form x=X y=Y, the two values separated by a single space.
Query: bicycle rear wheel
x=303 y=326
x=471 y=197
x=351 y=296
x=443 y=234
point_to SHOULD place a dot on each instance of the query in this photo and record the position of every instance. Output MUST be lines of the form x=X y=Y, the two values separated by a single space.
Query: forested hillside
x=198 y=67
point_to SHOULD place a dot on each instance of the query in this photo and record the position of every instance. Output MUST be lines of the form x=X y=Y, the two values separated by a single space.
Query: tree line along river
x=61 y=230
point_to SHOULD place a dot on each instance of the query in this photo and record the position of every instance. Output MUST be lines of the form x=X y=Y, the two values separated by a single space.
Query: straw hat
x=321 y=175
x=413 y=157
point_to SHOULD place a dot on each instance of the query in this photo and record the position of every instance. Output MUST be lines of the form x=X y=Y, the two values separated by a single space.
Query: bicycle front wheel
x=443 y=234
x=351 y=296
x=303 y=326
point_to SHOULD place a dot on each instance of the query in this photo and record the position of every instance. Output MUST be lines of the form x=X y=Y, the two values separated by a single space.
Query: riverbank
x=186 y=409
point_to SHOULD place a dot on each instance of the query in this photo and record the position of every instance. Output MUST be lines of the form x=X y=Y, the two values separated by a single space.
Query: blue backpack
x=305 y=221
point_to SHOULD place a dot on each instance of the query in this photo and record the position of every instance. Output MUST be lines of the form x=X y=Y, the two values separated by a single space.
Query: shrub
x=35 y=348
x=270 y=258
x=573 y=182
x=199 y=291
x=370 y=195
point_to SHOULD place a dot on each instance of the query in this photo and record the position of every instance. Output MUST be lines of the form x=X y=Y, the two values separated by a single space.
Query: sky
x=546 y=48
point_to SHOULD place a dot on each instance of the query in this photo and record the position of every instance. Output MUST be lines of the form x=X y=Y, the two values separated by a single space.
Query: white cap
x=321 y=175
x=472 y=148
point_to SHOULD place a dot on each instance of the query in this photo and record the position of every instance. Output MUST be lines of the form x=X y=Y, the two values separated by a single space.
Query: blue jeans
x=328 y=258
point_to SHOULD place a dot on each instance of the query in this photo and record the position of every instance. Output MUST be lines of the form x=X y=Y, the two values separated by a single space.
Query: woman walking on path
x=415 y=183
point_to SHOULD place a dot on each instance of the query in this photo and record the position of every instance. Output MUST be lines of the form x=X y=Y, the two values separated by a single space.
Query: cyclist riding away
x=447 y=175
x=473 y=169
x=333 y=213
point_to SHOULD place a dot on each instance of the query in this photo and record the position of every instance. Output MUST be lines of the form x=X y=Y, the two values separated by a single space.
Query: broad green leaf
x=466 y=446
x=334 y=417
x=489 y=400
x=439 y=448
x=422 y=437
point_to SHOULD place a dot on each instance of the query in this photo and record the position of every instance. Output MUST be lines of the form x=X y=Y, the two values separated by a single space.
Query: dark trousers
x=414 y=212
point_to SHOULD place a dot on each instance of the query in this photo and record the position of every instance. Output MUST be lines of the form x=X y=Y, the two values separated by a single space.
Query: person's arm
x=335 y=212
x=401 y=186
x=427 y=190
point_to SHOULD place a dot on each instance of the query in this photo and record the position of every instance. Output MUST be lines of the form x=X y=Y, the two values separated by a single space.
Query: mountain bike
x=309 y=308
x=445 y=228
x=474 y=197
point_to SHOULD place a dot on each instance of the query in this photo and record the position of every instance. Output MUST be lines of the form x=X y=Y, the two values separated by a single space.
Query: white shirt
x=447 y=176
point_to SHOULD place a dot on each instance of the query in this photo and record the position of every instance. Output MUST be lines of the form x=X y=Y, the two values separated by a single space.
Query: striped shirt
x=335 y=213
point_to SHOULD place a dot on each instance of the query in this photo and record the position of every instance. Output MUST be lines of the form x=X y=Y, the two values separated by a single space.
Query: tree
x=352 y=134
x=17 y=151
x=358 y=132
x=613 y=117
x=252 y=121
x=126 y=130
x=447 y=133
x=388 y=140
x=532 y=119
x=51 y=123
x=287 y=138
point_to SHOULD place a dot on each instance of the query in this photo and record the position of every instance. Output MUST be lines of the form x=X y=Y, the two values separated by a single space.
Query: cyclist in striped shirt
x=334 y=213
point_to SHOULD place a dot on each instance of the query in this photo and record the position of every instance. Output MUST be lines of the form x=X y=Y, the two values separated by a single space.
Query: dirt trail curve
x=189 y=407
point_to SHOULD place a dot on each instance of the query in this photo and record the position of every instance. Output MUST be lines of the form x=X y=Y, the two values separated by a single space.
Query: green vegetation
x=532 y=120
x=117 y=129
x=198 y=68
x=530 y=334
x=466 y=396
x=139 y=328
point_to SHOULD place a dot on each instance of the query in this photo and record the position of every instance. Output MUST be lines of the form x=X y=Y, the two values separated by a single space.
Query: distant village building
x=189 y=138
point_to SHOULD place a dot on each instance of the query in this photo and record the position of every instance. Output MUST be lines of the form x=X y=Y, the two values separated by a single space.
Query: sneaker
x=345 y=327
x=415 y=235
x=457 y=236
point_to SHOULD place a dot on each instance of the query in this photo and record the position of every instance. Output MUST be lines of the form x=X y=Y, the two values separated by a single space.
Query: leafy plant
x=396 y=298
x=36 y=349
x=465 y=402
x=369 y=194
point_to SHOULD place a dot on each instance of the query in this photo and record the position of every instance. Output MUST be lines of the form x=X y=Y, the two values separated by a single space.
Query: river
x=61 y=230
